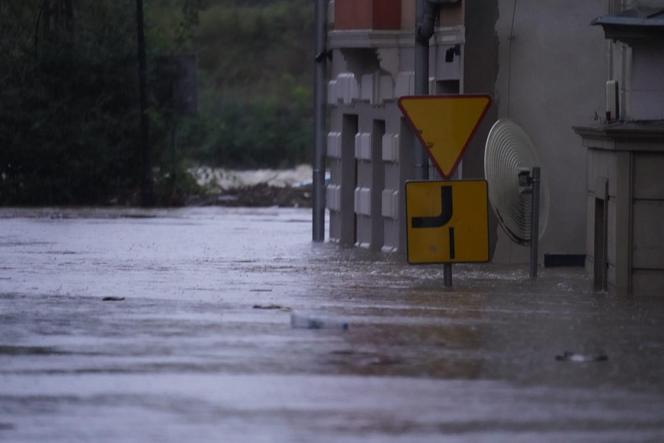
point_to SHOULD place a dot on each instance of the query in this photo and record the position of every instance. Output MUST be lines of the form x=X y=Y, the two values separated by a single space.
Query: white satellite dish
x=511 y=167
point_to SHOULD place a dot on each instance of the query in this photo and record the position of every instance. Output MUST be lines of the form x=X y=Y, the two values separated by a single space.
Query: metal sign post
x=320 y=148
x=534 y=221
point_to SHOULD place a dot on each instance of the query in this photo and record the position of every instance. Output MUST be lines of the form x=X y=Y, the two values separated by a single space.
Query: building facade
x=625 y=190
x=542 y=63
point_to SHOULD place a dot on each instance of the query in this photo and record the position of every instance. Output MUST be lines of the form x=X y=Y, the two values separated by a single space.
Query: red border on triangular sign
x=470 y=137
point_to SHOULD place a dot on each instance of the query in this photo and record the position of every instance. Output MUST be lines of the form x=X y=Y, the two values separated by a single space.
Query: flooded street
x=229 y=325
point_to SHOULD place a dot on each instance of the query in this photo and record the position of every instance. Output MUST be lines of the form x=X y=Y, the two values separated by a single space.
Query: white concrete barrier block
x=390 y=203
x=390 y=148
x=333 y=197
x=363 y=201
x=334 y=144
x=363 y=146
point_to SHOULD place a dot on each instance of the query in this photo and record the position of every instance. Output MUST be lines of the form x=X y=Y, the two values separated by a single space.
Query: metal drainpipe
x=424 y=29
x=320 y=148
x=426 y=12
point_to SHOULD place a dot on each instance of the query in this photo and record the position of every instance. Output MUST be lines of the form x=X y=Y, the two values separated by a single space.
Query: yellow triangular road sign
x=445 y=125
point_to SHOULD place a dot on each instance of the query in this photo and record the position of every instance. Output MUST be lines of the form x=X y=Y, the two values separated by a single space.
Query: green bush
x=254 y=82
x=67 y=120
x=69 y=94
x=247 y=134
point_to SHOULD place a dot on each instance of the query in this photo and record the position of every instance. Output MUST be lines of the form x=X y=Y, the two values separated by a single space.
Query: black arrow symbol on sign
x=445 y=212
x=440 y=220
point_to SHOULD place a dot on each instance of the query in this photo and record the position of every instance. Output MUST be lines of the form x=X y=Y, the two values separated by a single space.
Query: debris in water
x=113 y=299
x=343 y=352
x=300 y=321
x=271 y=307
x=581 y=358
x=383 y=361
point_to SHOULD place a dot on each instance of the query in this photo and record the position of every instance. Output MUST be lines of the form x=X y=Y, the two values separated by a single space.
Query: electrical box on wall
x=612 y=102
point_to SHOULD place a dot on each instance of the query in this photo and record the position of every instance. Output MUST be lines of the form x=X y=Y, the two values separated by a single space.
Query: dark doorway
x=348 y=180
x=377 y=185
x=600 y=248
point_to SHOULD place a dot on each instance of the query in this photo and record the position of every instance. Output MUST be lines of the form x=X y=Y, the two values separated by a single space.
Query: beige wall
x=558 y=70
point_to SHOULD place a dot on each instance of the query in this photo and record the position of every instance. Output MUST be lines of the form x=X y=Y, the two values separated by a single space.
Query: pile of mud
x=253 y=188
x=259 y=195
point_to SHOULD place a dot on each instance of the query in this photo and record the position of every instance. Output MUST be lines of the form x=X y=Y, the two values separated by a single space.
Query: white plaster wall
x=646 y=90
x=558 y=72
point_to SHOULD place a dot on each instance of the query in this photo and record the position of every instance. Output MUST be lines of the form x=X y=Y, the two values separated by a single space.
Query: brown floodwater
x=229 y=325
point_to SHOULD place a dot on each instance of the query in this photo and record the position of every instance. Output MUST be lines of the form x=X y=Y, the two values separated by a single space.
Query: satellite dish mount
x=529 y=183
x=517 y=191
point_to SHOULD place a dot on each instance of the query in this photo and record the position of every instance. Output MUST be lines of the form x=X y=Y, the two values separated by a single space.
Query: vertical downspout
x=424 y=28
x=320 y=148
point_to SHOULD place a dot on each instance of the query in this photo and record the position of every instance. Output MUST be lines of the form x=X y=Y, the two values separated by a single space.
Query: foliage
x=248 y=48
x=257 y=133
x=68 y=104
x=69 y=99
x=254 y=87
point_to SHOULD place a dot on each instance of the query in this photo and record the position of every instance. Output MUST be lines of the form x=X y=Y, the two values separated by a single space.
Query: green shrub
x=69 y=94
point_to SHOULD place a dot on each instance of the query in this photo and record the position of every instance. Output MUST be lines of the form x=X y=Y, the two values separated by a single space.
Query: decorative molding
x=334 y=144
x=363 y=201
x=390 y=146
x=390 y=204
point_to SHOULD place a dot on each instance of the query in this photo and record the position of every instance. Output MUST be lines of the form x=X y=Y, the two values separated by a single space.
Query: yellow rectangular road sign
x=447 y=221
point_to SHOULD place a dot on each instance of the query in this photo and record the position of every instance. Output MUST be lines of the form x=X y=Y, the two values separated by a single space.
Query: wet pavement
x=227 y=325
